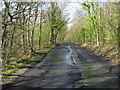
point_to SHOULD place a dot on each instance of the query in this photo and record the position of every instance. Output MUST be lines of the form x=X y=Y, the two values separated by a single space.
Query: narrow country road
x=68 y=66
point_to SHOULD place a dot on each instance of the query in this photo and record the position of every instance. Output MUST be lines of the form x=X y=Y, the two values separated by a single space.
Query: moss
x=15 y=67
x=18 y=66
x=87 y=72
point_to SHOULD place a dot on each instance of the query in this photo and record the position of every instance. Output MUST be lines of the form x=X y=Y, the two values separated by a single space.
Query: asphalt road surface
x=68 y=66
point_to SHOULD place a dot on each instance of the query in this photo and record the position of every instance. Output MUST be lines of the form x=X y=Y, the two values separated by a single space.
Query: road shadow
x=75 y=77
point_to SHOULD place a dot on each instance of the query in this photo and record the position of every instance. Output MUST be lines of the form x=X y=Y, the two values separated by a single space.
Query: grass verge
x=108 y=51
x=15 y=68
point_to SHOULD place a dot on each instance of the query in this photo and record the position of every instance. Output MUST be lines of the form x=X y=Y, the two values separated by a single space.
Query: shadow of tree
x=110 y=83
x=74 y=77
x=105 y=54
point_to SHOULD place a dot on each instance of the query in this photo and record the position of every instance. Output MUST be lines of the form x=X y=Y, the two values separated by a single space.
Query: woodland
x=30 y=29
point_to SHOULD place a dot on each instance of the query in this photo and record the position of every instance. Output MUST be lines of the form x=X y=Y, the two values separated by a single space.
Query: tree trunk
x=119 y=31
x=32 y=36
x=23 y=36
x=40 y=36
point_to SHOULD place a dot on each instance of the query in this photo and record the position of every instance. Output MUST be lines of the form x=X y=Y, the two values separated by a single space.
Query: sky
x=71 y=10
